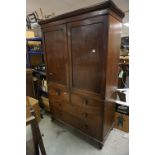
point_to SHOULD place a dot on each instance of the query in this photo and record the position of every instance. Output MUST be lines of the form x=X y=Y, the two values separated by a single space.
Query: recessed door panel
x=56 y=54
x=87 y=54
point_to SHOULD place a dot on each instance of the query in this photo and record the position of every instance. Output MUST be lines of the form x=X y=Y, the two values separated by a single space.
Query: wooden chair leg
x=37 y=138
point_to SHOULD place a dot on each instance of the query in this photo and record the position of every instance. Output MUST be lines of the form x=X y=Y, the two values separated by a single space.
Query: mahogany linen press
x=82 y=56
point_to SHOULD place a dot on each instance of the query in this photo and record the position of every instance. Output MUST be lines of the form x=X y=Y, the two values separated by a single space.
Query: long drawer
x=92 y=129
x=94 y=118
x=92 y=115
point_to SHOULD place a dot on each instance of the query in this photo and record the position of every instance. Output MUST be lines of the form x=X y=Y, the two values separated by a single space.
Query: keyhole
x=86 y=101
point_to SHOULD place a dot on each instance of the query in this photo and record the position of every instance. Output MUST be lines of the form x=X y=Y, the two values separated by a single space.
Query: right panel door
x=87 y=45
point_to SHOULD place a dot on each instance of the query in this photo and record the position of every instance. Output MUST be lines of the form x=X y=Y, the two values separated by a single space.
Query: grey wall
x=63 y=6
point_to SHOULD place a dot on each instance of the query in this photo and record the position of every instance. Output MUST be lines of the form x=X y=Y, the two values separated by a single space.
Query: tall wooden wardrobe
x=82 y=55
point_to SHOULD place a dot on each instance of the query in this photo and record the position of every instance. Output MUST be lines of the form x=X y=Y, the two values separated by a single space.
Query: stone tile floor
x=61 y=140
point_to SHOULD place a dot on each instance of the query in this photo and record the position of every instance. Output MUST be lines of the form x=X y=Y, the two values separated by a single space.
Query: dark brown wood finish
x=57 y=61
x=86 y=43
x=82 y=53
x=114 y=41
x=37 y=139
x=29 y=83
x=102 y=6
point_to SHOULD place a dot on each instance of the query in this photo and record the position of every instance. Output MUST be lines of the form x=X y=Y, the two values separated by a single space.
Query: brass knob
x=92 y=51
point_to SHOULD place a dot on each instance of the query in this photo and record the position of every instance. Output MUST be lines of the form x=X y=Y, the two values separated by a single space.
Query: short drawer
x=58 y=94
x=90 y=105
x=62 y=105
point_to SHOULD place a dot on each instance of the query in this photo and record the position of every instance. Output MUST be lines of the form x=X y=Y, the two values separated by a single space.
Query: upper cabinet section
x=76 y=43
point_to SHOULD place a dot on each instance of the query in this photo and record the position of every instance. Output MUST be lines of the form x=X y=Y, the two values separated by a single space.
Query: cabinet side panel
x=113 y=52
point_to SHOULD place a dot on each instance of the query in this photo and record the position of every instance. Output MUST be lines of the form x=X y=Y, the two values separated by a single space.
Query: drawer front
x=62 y=105
x=89 y=116
x=88 y=128
x=64 y=116
x=58 y=94
x=90 y=105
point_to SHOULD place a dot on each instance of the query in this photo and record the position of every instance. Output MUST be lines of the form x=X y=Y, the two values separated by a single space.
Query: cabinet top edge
x=104 y=5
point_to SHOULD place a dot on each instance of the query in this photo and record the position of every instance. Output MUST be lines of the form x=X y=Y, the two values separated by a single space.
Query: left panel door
x=55 y=46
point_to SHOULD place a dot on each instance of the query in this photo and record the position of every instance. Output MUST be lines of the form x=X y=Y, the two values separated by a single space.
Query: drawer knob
x=58 y=92
x=92 y=51
x=50 y=75
x=86 y=101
